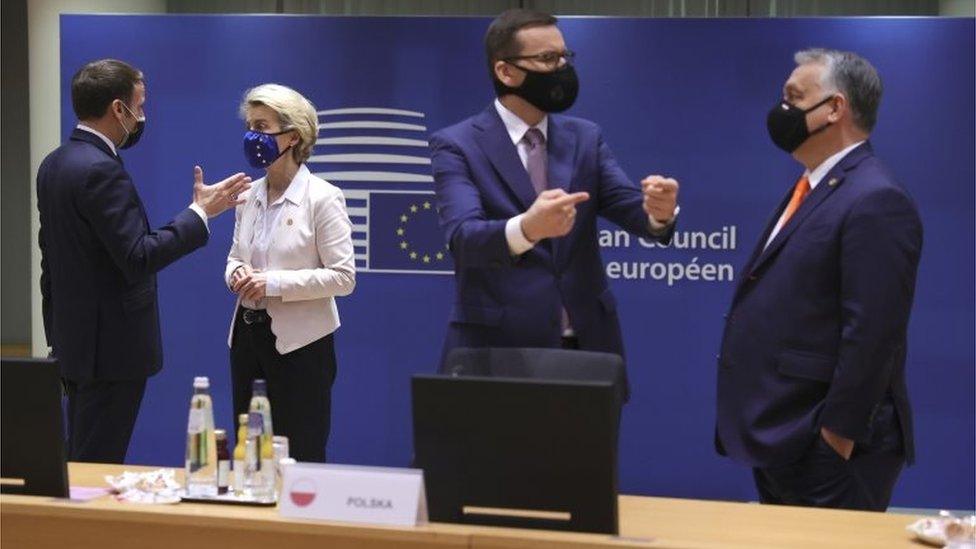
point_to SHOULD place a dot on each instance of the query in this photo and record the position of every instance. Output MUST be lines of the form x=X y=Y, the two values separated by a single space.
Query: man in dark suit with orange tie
x=811 y=375
x=99 y=259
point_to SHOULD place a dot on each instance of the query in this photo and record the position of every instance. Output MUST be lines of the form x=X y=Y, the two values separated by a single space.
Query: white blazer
x=310 y=251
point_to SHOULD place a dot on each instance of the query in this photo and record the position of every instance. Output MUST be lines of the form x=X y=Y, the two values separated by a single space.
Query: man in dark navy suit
x=811 y=375
x=99 y=259
x=519 y=189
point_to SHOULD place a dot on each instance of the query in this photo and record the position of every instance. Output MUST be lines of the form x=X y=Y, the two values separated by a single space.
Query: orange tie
x=800 y=191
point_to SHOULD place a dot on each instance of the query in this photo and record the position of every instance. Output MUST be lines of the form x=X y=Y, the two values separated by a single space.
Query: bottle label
x=223 y=473
x=197 y=421
x=255 y=424
x=238 y=475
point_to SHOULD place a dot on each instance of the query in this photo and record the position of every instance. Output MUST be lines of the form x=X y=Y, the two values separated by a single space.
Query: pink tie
x=535 y=162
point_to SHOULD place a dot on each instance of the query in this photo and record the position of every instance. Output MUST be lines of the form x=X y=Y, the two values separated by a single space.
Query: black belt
x=254 y=316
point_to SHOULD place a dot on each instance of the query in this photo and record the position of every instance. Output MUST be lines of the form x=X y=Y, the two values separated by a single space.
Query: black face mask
x=132 y=137
x=787 y=124
x=553 y=91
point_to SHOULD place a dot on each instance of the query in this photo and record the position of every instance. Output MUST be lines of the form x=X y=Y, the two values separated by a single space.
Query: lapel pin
x=833 y=182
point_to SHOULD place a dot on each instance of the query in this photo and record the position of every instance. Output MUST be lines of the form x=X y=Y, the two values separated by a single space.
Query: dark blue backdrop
x=680 y=97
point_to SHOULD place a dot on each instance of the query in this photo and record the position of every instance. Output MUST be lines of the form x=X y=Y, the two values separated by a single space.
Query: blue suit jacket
x=816 y=334
x=505 y=301
x=99 y=260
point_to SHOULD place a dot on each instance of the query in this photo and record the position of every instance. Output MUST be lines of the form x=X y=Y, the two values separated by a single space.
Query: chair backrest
x=538 y=363
x=33 y=458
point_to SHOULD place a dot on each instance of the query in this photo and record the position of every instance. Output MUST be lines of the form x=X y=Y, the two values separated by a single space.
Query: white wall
x=44 y=47
x=957 y=8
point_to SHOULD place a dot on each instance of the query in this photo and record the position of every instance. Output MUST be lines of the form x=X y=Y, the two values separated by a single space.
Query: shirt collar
x=107 y=141
x=517 y=127
x=294 y=192
x=820 y=171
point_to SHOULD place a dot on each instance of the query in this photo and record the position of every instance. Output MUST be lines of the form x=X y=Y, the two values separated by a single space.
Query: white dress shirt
x=265 y=220
x=107 y=141
x=814 y=177
x=199 y=211
x=516 y=127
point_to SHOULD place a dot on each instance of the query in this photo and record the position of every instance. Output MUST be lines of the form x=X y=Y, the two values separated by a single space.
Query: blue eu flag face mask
x=261 y=149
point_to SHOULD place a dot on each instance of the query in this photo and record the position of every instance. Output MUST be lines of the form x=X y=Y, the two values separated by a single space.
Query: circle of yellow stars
x=401 y=232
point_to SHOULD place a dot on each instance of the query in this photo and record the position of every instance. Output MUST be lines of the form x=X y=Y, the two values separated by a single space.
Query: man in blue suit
x=811 y=375
x=99 y=259
x=519 y=189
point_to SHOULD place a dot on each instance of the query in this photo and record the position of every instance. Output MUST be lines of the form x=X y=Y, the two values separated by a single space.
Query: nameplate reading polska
x=348 y=493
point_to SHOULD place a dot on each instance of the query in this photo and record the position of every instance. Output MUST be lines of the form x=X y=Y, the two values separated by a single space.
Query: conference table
x=102 y=523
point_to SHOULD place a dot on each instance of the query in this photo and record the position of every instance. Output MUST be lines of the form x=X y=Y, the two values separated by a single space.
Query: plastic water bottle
x=261 y=405
x=259 y=467
x=201 y=444
x=240 y=455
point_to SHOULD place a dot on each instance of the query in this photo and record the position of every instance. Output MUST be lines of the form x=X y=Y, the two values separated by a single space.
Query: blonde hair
x=294 y=113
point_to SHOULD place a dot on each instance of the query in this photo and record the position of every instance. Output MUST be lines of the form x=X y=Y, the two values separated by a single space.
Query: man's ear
x=500 y=71
x=840 y=105
x=504 y=73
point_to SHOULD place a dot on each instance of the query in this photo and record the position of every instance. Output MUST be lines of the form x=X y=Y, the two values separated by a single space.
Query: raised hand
x=218 y=198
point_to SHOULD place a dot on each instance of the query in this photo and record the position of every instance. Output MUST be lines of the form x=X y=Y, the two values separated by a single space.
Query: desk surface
x=39 y=523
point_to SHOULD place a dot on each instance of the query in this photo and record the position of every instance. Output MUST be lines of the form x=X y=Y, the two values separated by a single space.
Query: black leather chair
x=539 y=363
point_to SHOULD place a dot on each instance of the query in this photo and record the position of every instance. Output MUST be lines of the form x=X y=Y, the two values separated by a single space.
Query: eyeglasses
x=549 y=58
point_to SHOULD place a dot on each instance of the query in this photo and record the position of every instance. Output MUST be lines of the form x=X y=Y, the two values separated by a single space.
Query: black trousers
x=299 y=385
x=822 y=478
x=101 y=415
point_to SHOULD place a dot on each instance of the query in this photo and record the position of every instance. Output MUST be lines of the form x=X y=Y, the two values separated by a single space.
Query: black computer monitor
x=518 y=452
x=32 y=453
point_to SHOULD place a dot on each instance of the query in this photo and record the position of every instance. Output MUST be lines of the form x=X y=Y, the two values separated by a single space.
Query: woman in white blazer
x=292 y=255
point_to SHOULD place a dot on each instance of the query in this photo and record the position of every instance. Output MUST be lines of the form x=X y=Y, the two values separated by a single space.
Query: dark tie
x=535 y=161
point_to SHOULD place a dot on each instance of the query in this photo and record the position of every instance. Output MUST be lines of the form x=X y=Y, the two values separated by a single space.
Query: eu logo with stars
x=379 y=157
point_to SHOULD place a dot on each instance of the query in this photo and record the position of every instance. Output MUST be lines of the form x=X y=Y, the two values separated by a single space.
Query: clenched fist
x=660 y=197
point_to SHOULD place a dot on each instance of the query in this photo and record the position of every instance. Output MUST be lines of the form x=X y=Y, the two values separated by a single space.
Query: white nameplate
x=374 y=495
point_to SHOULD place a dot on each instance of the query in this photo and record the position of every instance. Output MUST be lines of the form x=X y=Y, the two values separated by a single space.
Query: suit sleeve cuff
x=203 y=215
x=658 y=227
x=272 y=285
x=517 y=243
